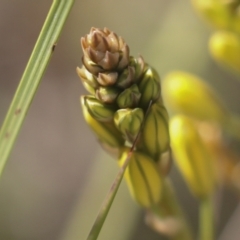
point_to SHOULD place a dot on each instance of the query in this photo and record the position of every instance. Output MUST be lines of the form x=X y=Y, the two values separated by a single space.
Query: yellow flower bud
x=143 y=178
x=155 y=135
x=188 y=94
x=225 y=49
x=191 y=156
x=220 y=13
x=106 y=132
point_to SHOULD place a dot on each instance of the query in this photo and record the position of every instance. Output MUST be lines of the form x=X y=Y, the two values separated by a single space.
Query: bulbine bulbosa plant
x=126 y=111
x=148 y=124
x=224 y=17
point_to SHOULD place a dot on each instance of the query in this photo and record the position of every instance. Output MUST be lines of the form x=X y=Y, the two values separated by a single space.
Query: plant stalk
x=206 y=219
x=169 y=208
x=233 y=126
x=102 y=215
x=32 y=75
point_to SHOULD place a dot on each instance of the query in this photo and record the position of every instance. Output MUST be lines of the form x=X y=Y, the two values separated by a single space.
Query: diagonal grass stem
x=32 y=76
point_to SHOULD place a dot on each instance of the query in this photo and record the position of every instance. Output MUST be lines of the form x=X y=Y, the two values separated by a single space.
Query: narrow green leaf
x=32 y=75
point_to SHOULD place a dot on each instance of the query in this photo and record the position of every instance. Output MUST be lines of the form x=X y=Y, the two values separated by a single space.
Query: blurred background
x=57 y=175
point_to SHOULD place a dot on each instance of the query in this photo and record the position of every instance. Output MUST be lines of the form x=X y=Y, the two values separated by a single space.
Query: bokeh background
x=57 y=175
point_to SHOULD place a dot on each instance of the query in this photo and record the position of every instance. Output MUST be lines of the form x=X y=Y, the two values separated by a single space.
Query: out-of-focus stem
x=170 y=208
x=233 y=126
x=206 y=219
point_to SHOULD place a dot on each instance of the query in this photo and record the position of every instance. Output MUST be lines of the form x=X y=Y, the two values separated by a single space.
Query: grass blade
x=31 y=77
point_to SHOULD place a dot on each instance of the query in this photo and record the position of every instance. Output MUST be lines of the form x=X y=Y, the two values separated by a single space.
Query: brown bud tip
x=104 y=51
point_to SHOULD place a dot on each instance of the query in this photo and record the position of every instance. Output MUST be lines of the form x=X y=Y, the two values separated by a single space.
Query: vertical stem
x=169 y=207
x=233 y=126
x=206 y=219
x=31 y=77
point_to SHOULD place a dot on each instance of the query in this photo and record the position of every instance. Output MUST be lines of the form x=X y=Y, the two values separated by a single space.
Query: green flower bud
x=155 y=135
x=192 y=156
x=99 y=111
x=143 y=179
x=107 y=94
x=225 y=49
x=149 y=87
x=126 y=78
x=89 y=81
x=128 y=122
x=89 y=88
x=188 y=94
x=129 y=98
x=139 y=65
x=106 y=132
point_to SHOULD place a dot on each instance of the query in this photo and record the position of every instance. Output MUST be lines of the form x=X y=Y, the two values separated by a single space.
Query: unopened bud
x=222 y=14
x=99 y=111
x=89 y=81
x=149 y=87
x=106 y=132
x=225 y=49
x=126 y=78
x=89 y=88
x=155 y=135
x=138 y=65
x=104 y=51
x=107 y=94
x=143 y=178
x=129 y=98
x=188 y=94
x=107 y=79
x=192 y=156
x=128 y=122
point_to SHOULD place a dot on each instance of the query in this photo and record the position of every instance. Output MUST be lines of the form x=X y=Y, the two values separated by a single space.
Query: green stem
x=169 y=207
x=233 y=126
x=206 y=219
x=31 y=77
x=102 y=215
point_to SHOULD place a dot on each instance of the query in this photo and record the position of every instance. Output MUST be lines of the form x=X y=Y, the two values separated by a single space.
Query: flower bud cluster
x=224 y=44
x=121 y=89
x=222 y=14
x=194 y=104
x=125 y=97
